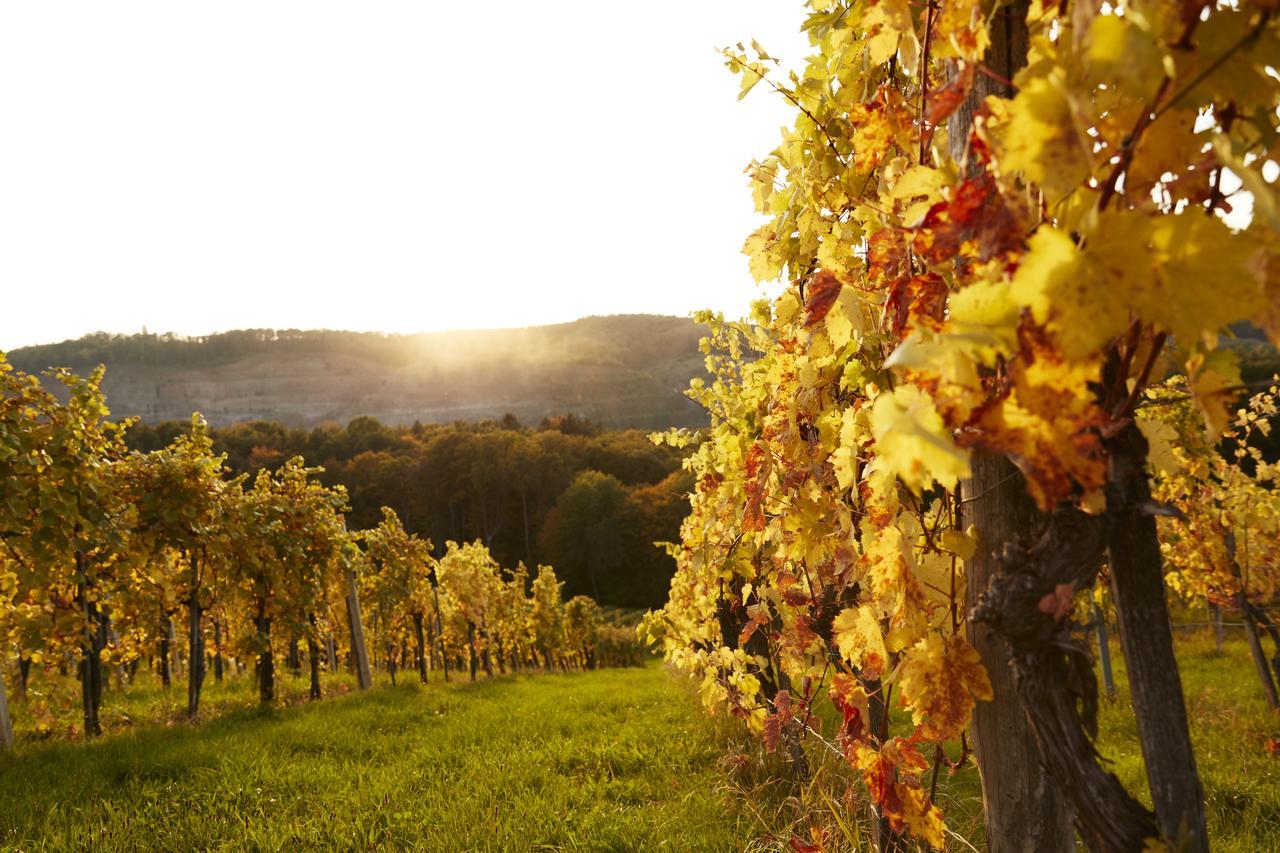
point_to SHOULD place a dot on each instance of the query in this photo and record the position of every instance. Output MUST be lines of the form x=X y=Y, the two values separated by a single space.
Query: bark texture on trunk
x=1023 y=809
x=1053 y=670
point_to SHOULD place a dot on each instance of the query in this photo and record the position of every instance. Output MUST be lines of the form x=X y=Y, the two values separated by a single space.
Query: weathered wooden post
x=6 y=724
x=1104 y=649
x=358 y=650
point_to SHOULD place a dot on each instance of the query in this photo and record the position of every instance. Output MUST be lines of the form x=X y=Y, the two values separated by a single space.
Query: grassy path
x=613 y=760
x=610 y=760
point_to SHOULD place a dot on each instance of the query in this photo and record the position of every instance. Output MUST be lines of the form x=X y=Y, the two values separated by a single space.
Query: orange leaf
x=823 y=290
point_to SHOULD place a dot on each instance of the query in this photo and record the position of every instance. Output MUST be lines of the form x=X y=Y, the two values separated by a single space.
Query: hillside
x=620 y=371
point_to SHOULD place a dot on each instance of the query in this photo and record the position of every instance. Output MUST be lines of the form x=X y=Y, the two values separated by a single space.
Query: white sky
x=394 y=166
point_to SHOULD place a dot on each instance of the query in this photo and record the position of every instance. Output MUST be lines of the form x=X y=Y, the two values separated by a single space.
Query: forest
x=589 y=501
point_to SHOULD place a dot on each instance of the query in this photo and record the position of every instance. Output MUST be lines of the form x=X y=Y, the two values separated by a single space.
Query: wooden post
x=471 y=643
x=420 y=648
x=1215 y=616
x=358 y=650
x=1104 y=650
x=439 y=635
x=6 y=724
x=91 y=666
x=195 y=655
x=1256 y=652
x=266 y=660
x=166 y=631
x=217 y=650
x=1023 y=808
x=1251 y=626
x=1155 y=686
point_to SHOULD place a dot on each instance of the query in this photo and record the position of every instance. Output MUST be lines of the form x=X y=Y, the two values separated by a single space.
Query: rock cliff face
x=621 y=371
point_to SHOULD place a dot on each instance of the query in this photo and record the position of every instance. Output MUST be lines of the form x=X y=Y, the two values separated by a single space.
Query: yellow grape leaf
x=921 y=822
x=1124 y=56
x=963 y=544
x=967 y=35
x=934 y=571
x=1168 y=146
x=1188 y=274
x=760 y=247
x=845 y=319
x=953 y=358
x=845 y=457
x=1206 y=277
x=1037 y=135
x=885 y=22
x=1269 y=318
x=1160 y=440
x=912 y=441
x=918 y=181
x=858 y=636
x=939 y=681
x=1213 y=378
x=1084 y=299
x=892 y=778
x=985 y=316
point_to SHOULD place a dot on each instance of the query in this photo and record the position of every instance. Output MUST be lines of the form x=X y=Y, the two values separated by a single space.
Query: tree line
x=589 y=501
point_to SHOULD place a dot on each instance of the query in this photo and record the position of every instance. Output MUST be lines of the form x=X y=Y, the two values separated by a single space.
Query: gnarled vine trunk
x=1023 y=809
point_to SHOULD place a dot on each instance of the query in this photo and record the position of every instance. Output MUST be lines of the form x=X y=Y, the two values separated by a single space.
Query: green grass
x=609 y=760
x=1230 y=724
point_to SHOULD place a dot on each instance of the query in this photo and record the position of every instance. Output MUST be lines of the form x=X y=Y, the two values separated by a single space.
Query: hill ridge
x=625 y=370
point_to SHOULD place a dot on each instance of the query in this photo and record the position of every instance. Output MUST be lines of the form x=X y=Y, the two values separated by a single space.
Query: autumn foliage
x=1014 y=291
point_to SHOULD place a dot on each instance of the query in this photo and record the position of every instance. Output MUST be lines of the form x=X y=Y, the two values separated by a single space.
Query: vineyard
x=113 y=560
x=986 y=481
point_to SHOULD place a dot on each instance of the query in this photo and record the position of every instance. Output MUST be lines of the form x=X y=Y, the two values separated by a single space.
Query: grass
x=1230 y=726
x=610 y=760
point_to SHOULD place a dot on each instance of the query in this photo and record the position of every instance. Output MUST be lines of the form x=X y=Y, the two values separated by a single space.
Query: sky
x=388 y=166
